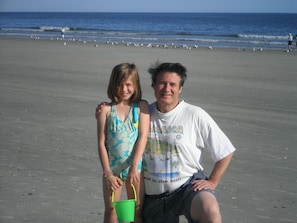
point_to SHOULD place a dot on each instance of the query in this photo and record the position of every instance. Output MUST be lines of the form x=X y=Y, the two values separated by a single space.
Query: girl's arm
x=139 y=147
x=101 y=126
x=113 y=182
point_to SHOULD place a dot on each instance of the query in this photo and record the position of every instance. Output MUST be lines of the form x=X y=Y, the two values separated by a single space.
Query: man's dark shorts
x=168 y=207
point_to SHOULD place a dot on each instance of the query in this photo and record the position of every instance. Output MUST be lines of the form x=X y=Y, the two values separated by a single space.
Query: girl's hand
x=114 y=183
x=133 y=176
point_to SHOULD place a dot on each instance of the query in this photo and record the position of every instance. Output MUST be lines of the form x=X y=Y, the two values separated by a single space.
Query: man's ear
x=180 y=89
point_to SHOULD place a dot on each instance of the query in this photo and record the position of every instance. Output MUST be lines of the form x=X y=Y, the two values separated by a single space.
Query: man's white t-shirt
x=175 y=143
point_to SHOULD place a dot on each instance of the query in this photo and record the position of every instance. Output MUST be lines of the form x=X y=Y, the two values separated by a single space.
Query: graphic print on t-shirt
x=163 y=157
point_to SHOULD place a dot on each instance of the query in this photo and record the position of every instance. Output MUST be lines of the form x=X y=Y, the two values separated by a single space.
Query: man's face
x=167 y=90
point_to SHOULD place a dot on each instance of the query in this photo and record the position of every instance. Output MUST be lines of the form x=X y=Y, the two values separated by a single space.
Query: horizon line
x=231 y=12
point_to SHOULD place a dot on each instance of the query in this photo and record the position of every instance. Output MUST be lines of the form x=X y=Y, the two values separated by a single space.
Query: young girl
x=122 y=129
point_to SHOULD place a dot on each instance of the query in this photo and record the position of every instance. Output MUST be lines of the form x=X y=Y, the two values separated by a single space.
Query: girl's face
x=126 y=89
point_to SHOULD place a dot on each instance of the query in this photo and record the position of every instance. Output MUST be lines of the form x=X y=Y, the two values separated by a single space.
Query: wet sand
x=50 y=170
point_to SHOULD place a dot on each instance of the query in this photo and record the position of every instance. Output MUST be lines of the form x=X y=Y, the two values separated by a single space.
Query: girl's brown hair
x=120 y=73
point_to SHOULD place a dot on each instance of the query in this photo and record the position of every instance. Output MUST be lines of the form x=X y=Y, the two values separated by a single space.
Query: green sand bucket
x=125 y=209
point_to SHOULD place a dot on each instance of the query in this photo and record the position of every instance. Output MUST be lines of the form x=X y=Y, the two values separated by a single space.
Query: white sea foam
x=256 y=36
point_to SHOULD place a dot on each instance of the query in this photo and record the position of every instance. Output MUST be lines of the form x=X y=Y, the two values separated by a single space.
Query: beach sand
x=50 y=170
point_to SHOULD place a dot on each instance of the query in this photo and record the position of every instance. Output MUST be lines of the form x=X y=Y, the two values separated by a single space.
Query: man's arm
x=219 y=170
x=216 y=175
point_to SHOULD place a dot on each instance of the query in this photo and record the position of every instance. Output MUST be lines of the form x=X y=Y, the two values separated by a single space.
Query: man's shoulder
x=152 y=105
x=196 y=112
x=193 y=108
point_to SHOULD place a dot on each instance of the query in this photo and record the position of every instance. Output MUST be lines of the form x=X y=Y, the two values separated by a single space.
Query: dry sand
x=48 y=93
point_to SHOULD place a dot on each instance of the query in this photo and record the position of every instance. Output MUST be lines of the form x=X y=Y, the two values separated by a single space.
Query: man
x=179 y=133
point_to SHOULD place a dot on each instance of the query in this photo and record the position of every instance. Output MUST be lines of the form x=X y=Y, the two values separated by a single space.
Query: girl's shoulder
x=106 y=108
x=143 y=105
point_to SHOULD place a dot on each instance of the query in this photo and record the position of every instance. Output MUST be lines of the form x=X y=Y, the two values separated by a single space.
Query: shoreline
x=154 y=45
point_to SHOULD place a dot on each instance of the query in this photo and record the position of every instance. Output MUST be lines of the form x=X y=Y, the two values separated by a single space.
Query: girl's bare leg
x=110 y=215
x=139 y=187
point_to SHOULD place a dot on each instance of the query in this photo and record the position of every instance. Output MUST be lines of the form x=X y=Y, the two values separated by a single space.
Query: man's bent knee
x=205 y=208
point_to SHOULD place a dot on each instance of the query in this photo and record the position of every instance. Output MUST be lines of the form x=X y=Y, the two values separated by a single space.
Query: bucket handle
x=134 y=191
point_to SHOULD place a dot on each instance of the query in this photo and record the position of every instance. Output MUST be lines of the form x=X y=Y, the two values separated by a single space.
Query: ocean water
x=236 y=30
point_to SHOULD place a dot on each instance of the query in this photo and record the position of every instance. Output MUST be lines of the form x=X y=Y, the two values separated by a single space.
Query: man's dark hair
x=158 y=68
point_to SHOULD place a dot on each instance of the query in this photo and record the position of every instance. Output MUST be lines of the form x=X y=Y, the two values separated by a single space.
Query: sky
x=269 y=6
